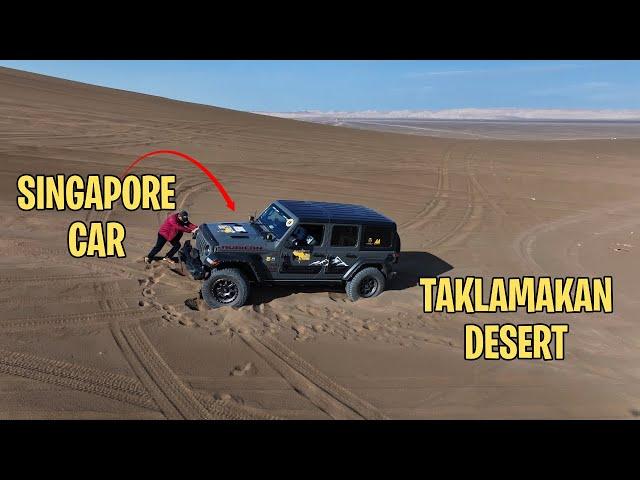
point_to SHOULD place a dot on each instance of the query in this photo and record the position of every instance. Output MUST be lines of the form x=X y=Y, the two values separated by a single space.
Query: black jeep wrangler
x=298 y=243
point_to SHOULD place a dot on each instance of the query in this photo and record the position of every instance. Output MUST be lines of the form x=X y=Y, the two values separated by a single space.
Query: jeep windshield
x=275 y=220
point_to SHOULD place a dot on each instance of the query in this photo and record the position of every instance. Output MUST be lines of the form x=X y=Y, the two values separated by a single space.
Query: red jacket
x=172 y=226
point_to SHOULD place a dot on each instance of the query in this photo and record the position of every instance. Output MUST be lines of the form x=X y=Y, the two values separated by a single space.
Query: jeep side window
x=308 y=234
x=344 y=236
x=374 y=237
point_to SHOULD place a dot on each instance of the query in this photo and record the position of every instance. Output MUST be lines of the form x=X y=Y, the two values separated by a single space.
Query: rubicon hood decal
x=231 y=228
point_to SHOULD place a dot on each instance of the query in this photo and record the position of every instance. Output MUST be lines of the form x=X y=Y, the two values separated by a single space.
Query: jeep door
x=303 y=261
x=342 y=250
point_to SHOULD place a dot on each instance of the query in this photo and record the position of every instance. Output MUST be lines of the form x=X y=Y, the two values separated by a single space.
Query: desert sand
x=114 y=339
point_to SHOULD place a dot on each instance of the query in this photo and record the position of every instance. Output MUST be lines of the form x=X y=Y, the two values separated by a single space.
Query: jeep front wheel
x=367 y=283
x=225 y=288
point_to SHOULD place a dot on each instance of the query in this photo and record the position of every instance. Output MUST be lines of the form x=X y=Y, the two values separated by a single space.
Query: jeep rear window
x=344 y=236
x=275 y=220
x=374 y=237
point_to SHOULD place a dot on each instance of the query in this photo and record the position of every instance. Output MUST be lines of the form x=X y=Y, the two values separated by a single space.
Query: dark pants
x=160 y=243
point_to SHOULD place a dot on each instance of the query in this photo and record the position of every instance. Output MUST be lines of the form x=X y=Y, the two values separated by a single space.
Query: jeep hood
x=234 y=234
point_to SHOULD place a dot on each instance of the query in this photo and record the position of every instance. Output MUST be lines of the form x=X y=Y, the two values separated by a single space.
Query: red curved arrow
x=231 y=205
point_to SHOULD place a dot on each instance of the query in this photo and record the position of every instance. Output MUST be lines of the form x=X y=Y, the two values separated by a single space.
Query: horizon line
x=470 y=113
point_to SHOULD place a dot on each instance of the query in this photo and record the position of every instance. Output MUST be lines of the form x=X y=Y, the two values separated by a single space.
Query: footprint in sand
x=155 y=276
x=315 y=311
x=172 y=315
x=169 y=309
x=179 y=319
x=300 y=330
x=337 y=297
x=146 y=282
x=269 y=313
x=196 y=304
x=228 y=398
x=259 y=308
x=246 y=369
x=148 y=292
x=370 y=325
x=338 y=314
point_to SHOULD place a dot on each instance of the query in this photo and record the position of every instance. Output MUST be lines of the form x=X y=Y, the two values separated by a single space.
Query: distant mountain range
x=468 y=114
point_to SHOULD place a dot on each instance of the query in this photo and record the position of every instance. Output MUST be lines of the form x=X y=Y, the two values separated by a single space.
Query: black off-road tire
x=227 y=281
x=367 y=283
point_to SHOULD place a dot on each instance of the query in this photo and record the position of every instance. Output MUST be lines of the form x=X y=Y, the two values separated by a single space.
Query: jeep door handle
x=317 y=255
x=351 y=255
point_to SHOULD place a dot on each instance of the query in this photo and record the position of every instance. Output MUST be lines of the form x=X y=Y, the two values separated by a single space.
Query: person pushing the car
x=171 y=231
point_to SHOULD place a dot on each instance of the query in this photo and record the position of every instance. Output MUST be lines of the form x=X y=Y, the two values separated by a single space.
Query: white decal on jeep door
x=337 y=261
x=320 y=263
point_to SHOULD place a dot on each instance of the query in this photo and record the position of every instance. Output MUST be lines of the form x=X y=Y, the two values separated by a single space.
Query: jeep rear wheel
x=367 y=283
x=225 y=288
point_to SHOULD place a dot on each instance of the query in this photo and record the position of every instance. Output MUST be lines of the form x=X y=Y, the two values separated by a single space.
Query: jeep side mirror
x=252 y=218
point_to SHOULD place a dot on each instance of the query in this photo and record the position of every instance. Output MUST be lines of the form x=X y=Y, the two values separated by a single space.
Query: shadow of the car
x=265 y=293
x=414 y=265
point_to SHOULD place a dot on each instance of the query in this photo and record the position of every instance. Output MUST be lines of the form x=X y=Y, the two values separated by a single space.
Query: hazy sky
x=365 y=85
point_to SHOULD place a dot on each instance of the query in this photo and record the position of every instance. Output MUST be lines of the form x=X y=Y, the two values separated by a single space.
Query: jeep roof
x=327 y=212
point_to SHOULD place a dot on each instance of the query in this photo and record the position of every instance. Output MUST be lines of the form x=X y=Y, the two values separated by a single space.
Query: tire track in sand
x=524 y=242
x=429 y=210
x=188 y=192
x=220 y=409
x=322 y=391
x=173 y=397
x=183 y=196
x=108 y=297
x=484 y=193
x=49 y=278
x=437 y=206
x=69 y=319
x=471 y=218
x=76 y=377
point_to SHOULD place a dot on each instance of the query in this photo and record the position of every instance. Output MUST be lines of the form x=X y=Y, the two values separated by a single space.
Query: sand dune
x=113 y=338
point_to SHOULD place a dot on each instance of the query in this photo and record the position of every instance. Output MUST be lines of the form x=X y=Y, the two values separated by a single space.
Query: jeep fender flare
x=252 y=266
x=359 y=265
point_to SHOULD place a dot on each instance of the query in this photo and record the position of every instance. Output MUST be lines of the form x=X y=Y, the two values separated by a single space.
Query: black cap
x=183 y=215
